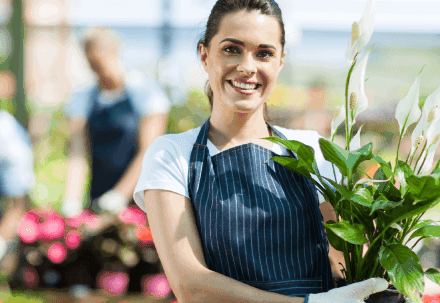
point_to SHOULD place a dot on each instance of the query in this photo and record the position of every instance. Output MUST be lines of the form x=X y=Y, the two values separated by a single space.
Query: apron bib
x=113 y=137
x=259 y=223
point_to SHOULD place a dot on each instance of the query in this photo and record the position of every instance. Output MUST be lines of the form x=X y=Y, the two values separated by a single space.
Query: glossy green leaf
x=351 y=233
x=403 y=172
x=333 y=239
x=305 y=153
x=363 y=197
x=433 y=275
x=383 y=203
x=385 y=168
x=424 y=223
x=293 y=165
x=427 y=231
x=408 y=210
x=335 y=154
x=403 y=267
x=424 y=187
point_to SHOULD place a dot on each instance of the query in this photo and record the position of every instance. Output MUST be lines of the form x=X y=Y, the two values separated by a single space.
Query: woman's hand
x=353 y=293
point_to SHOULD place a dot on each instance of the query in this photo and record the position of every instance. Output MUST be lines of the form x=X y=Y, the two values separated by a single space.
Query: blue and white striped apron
x=259 y=222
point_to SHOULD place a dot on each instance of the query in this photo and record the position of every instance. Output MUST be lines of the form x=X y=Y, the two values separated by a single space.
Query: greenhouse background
x=160 y=39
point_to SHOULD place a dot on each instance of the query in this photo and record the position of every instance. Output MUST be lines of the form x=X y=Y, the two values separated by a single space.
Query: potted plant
x=378 y=217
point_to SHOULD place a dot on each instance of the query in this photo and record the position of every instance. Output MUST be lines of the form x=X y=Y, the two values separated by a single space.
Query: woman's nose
x=247 y=65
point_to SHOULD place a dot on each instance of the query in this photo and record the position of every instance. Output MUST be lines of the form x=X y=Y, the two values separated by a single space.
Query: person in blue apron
x=115 y=120
x=229 y=224
x=17 y=178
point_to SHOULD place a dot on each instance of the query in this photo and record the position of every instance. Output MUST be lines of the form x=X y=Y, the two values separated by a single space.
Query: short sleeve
x=161 y=169
x=148 y=97
x=79 y=105
x=16 y=158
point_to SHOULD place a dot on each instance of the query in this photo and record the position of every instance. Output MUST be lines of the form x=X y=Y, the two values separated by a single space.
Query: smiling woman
x=228 y=224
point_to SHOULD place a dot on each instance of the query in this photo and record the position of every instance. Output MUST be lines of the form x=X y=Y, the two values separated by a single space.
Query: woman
x=230 y=225
x=117 y=118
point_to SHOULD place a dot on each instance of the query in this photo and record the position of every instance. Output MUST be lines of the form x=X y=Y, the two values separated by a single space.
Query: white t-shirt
x=165 y=163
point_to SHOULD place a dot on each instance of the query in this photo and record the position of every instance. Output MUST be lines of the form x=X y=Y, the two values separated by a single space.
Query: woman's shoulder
x=180 y=143
x=302 y=135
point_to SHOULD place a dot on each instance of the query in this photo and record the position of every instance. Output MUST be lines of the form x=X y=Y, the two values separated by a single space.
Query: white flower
x=338 y=118
x=357 y=100
x=356 y=141
x=361 y=32
x=407 y=111
x=433 y=139
x=430 y=112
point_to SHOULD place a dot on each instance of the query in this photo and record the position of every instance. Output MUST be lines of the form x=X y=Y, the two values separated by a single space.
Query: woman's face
x=243 y=60
x=105 y=65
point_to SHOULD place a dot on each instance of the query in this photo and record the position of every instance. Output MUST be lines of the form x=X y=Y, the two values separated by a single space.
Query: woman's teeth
x=244 y=86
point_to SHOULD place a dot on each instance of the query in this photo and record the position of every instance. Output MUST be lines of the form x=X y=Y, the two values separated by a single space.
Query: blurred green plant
x=191 y=114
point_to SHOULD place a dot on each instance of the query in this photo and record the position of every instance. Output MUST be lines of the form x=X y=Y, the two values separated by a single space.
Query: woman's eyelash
x=231 y=49
x=266 y=54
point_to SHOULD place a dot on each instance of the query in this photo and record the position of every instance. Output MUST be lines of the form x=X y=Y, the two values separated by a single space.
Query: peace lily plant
x=379 y=218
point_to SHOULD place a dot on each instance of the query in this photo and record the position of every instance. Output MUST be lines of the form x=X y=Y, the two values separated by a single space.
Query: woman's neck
x=237 y=129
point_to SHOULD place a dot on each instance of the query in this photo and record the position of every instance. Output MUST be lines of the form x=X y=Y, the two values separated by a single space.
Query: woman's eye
x=232 y=50
x=265 y=54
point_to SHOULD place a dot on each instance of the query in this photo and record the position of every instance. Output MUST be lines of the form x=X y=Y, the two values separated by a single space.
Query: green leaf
x=363 y=197
x=403 y=172
x=437 y=167
x=383 y=203
x=424 y=223
x=424 y=187
x=335 y=154
x=334 y=240
x=408 y=210
x=305 y=153
x=293 y=165
x=403 y=267
x=427 y=231
x=351 y=233
x=386 y=170
x=433 y=275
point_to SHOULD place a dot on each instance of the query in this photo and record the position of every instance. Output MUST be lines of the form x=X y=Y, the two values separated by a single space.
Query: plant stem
x=421 y=153
x=424 y=159
x=347 y=263
x=414 y=155
x=397 y=153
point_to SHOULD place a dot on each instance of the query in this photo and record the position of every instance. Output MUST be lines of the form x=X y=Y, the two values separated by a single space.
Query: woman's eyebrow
x=243 y=44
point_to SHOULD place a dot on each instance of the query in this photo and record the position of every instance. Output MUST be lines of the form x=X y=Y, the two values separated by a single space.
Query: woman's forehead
x=250 y=27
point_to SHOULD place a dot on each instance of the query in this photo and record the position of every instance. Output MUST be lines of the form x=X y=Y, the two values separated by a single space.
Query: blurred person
x=228 y=224
x=114 y=121
x=16 y=180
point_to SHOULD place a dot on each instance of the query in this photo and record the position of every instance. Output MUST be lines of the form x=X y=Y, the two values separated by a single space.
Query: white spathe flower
x=357 y=100
x=355 y=143
x=433 y=140
x=361 y=32
x=338 y=118
x=430 y=112
x=408 y=111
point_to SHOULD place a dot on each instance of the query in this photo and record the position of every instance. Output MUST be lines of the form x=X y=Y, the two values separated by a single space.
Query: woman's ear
x=203 y=52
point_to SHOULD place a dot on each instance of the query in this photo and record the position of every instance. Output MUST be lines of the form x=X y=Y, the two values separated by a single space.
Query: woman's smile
x=244 y=87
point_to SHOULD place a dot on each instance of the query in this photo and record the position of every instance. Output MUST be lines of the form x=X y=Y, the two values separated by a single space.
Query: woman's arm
x=151 y=127
x=77 y=163
x=176 y=237
x=336 y=256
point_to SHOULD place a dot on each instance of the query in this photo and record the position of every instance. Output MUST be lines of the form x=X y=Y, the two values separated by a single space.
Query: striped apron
x=259 y=223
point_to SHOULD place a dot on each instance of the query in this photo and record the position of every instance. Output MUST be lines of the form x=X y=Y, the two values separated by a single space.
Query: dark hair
x=225 y=7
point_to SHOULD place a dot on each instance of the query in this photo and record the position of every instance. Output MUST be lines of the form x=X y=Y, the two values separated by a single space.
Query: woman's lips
x=243 y=91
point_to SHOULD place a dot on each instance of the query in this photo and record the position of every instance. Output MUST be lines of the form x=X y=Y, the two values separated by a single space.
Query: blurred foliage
x=191 y=114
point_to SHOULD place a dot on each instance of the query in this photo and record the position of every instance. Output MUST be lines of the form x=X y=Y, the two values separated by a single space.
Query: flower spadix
x=407 y=111
x=357 y=100
x=361 y=32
